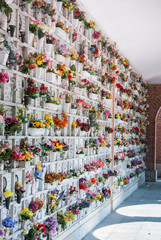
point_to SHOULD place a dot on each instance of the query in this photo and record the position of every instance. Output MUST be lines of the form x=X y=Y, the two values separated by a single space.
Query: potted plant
x=31 y=92
x=19 y=190
x=50 y=41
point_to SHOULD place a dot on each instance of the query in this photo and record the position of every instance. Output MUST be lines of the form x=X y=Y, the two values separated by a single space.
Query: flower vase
x=82 y=133
x=28 y=189
x=37 y=185
x=12 y=30
x=64 y=155
x=59 y=6
x=49 y=48
x=25 y=224
x=3 y=57
x=47 y=131
x=93 y=96
x=73 y=62
x=19 y=196
x=80 y=156
x=75 y=131
x=36 y=160
x=40 y=73
x=53 y=156
x=67 y=61
x=73 y=111
x=3 y=24
x=58 y=132
x=31 y=38
x=36 y=131
x=7 y=202
x=7 y=232
x=1 y=166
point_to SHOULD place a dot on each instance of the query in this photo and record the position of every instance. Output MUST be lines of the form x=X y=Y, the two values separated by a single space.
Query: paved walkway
x=137 y=218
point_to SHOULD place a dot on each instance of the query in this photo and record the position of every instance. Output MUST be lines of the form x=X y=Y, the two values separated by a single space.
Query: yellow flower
x=25 y=209
x=8 y=193
x=20 y=120
x=74 y=124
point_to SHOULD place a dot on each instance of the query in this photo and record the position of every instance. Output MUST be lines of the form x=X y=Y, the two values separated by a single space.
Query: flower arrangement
x=52 y=177
x=22 y=117
x=103 y=141
x=61 y=25
x=36 y=205
x=46 y=147
x=5 y=151
x=28 y=65
x=45 y=7
x=3 y=78
x=49 y=120
x=19 y=190
x=29 y=178
x=41 y=60
x=106 y=94
x=39 y=169
x=109 y=129
x=58 y=145
x=12 y=125
x=36 y=123
x=54 y=100
x=50 y=39
x=89 y=24
x=74 y=36
x=80 y=15
x=32 y=90
x=61 y=50
x=90 y=196
x=93 y=142
x=8 y=194
x=8 y=223
x=108 y=160
x=35 y=150
x=93 y=88
x=94 y=50
x=44 y=92
x=85 y=127
x=26 y=214
x=51 y=225
x=106 y=192
x=65 y=146
x=61 y=220
x=125 y=62
x=61 y=122
x=80 y=151
x=96 y=35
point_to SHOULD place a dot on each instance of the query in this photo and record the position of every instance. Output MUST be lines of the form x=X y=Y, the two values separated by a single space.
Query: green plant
x=4 y=5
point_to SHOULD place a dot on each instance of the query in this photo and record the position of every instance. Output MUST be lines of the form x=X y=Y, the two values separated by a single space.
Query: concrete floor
x=137 y=218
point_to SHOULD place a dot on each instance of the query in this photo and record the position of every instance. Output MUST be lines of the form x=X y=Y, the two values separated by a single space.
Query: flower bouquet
x=19 y=190
x=11 y=125
x=7 y=194
x=3 y=78
x=80 y=152
x=8 y=224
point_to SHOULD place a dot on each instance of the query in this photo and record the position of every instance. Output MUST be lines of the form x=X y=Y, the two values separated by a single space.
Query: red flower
x=44 y=230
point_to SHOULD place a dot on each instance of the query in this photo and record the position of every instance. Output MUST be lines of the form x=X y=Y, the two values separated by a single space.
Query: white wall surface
x=135 y=25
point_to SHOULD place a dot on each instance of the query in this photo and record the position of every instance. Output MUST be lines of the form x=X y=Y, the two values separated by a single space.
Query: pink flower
x=77 y=211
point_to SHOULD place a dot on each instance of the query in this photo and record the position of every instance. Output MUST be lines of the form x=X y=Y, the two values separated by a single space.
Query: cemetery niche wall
x=72 y=121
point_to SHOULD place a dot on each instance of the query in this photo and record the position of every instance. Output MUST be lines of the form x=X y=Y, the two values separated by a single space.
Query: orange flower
x=62 y=24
